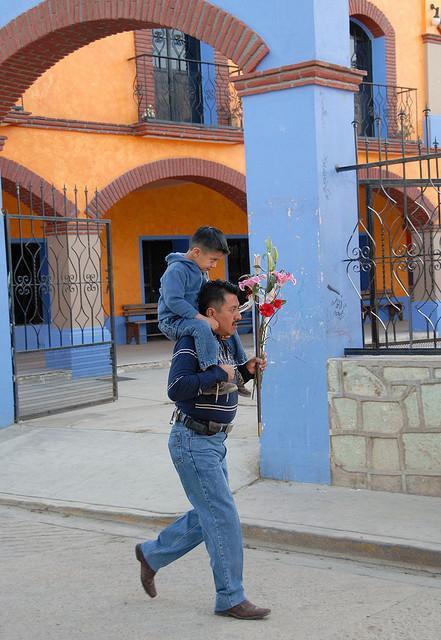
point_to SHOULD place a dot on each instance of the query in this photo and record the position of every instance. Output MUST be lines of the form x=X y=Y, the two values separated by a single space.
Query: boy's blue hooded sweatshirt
x=180 y=286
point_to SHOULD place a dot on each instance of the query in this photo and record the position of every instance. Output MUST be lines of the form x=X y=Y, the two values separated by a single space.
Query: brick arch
x=45 y=198
x=419 y=207
x=379 y=25
x=40 y=37
x=226 y=181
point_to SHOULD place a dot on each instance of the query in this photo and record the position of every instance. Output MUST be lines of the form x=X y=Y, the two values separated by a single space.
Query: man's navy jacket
x=186 y=382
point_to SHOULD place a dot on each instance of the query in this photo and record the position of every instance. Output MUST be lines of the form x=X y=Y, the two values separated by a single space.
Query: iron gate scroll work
x=61 y=303
x=394 y=253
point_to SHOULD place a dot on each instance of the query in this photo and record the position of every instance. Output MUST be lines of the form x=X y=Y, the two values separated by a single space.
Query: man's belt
x=203 y=428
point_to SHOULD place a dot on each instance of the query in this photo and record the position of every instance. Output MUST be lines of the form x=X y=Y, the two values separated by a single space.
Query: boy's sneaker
x=220 y=389
x=241 y=388
x=243 y=391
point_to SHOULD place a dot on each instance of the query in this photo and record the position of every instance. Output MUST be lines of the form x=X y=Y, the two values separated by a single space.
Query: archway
x=38 y=38
x=420 y=209
x=34 y=191
x=154 y=209
x=218 y=177
x=379 y=25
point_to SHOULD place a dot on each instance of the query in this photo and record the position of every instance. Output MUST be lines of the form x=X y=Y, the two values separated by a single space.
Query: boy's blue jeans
x=207 y=347
x=200 y=463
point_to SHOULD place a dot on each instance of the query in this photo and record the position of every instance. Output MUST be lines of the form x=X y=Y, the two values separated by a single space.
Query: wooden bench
x=150 y=313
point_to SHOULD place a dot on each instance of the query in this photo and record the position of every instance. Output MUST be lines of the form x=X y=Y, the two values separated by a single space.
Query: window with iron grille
x=178 y=76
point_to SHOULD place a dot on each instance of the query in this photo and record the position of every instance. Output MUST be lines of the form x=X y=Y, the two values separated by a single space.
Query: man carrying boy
x=177 y=308
x=197 y=440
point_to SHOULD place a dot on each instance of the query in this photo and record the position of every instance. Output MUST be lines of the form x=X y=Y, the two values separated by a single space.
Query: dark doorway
x=239 y=259
x=154 y=253
x=361 y=58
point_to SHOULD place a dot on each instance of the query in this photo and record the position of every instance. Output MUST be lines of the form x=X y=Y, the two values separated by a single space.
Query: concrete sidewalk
x=111 y=461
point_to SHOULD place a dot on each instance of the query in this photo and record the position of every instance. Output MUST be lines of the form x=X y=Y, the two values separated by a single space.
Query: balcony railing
x=182 y=90
x=380 y=110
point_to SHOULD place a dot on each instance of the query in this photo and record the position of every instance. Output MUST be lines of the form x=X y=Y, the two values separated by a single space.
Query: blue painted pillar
x=294 y=138
x=6 y=386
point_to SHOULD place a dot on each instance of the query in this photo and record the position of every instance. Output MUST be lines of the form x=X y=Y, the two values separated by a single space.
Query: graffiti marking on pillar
x=338 y=303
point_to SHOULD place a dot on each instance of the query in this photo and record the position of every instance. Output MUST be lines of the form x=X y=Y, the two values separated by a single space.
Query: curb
x=153 y=364
x=357 y=547
x=81 y=510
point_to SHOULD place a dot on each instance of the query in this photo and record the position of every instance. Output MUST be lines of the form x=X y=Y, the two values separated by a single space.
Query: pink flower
x=249 y=283
x=282 y=277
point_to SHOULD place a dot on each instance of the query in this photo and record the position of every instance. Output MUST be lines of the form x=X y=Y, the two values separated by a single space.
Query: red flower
x=277 y=303
x=266 y=309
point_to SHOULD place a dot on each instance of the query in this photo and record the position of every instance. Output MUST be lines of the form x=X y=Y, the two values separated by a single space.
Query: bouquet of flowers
x=263 y=289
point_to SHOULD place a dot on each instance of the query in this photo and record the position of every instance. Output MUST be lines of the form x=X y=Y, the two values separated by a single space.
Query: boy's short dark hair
x=212 y=294
x=210 y=239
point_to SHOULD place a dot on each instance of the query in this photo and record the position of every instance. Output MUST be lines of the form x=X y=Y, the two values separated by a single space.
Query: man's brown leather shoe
x=147 y=573
x=246 y=610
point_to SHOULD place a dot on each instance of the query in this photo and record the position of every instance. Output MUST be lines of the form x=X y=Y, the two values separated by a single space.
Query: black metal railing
x=393 y=256
x=183 y=90
x=386 y=111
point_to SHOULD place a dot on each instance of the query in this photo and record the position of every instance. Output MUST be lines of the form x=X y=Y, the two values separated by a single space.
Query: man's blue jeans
x=200 y=463
x=207 y=347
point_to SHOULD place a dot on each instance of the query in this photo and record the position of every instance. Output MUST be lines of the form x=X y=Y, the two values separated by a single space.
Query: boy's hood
x=180 y=257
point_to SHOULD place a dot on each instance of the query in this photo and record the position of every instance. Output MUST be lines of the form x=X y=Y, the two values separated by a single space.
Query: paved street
x=64 y=578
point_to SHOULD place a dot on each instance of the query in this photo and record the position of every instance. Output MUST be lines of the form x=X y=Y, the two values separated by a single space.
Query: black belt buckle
x=217 y=427
x=205 y=429
x=214 y=427
x=191 y=423
x=200 y=428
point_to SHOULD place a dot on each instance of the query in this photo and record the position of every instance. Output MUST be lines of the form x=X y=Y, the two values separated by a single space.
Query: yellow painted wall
x=94 y=83
x=170 y=211
x=24 y=228
x=390 y=238
x=95 y=160
x=167 y=211
x=406 y=18
x=410 y=19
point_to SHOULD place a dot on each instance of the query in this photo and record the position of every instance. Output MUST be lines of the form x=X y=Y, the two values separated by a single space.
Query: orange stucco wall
x=169 y=211
x=410 y=19
x=95 y=160
x=161 y=211
x=24 y=228
x=391 y=238
x=407 y=18
x=94 y=83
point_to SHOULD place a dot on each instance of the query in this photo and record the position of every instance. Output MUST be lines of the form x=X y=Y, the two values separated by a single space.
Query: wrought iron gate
x=61 y=305
x=394 y=253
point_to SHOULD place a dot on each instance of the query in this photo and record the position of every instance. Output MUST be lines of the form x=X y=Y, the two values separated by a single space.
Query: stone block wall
x=385 y=423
